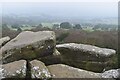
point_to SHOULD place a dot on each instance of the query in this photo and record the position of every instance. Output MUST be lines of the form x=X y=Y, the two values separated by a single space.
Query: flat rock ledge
x=29 y=45
x=88 y=48
x=65 y=71
x=39 y=70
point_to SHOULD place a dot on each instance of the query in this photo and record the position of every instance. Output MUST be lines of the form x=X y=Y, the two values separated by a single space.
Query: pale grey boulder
x=4 y=40
x=113 y=73
x=39 y=70
x=29 y=45
x=15 y=69
x=65 y=71
x=93 y=50
x=86 y=56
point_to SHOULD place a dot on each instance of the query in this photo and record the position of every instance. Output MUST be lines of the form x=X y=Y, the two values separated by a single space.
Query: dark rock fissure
x=28 y=70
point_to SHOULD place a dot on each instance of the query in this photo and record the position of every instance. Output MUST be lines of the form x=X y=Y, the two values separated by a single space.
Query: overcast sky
x=62 y=9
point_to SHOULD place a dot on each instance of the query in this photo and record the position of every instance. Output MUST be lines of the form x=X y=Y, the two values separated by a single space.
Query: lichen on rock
x=14 y=69
x=39 y=70
x=113 y=73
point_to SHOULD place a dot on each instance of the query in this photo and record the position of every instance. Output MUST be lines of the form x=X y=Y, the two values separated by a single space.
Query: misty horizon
x=62 y=9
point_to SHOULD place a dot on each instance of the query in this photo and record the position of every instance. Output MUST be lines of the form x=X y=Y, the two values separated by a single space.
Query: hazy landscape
x=61 y=38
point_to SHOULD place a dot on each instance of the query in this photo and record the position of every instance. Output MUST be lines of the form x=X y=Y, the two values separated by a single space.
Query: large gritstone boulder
x=15 y=69
x=86 y=56
x=29 y=45
x=39 y=70
x=4 y=40
x=64 y=71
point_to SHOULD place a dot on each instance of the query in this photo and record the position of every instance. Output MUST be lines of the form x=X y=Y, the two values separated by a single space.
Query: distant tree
x=34 y=26
x=96 y=27
x=113 y=29
x=65 y=25
x=40 y=25
x=77 y=26
x=5 y=27
x=104 y=28
x=26 y=26
x=61 y=37
x=22 y=26
x=15 y=26
x=6 y=31
x=55 y=26
x=19 y=29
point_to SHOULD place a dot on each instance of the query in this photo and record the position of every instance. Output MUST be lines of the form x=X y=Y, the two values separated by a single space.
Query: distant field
x=49 y=25
x=88 y=29
x=28 y=27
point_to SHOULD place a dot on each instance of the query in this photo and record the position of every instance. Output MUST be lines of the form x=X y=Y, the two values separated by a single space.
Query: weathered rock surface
x=29 y=45
x=39 y=70
x=114 y=73
x=64 y=71
x=35 y=47
x=1 y=74
x=86 y=56
x=4 y=40
x=15 y=69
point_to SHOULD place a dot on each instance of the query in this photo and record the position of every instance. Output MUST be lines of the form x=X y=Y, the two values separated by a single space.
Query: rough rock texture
x=4 y=40
x=29 y=45
x=1 y=74
x=114 y=73
x=15 y=69
x=41 y=46
x=86 y=56
x=39 y=70
x=64 y=71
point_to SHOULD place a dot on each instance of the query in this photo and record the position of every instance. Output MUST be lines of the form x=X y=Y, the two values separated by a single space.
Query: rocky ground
x=36 y=55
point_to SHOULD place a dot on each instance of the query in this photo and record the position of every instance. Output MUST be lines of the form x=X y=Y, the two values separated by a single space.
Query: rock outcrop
x=4 y=40
x=64 y=71
x=29 y=45
x=39 y=70
x=15 y=69
x=86 y=56
x=22 y=56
